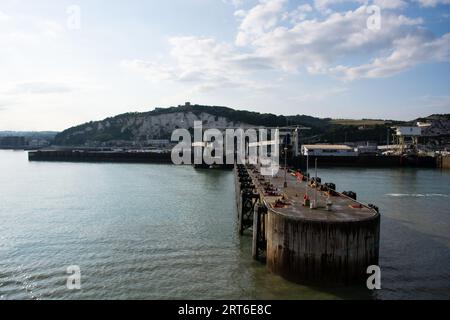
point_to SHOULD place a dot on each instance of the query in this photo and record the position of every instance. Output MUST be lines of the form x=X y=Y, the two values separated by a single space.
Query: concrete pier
x=331 y=244
x=81 y=155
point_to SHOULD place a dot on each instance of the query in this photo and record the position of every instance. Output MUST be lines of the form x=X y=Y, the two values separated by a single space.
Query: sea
x=147 y=231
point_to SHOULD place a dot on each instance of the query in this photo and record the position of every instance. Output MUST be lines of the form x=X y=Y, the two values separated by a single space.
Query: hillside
x=138 y=128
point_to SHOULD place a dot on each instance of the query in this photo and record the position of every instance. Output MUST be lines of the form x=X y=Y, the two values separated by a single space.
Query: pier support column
x=259 y=243
x=249 y=200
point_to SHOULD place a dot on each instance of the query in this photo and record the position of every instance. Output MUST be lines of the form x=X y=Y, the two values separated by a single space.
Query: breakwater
x=100 y=156
x=93 y=155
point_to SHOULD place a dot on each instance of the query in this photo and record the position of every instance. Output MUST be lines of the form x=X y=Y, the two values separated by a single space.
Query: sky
x=63 y=63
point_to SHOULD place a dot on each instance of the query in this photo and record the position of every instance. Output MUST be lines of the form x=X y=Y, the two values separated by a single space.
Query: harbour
x=221 y=155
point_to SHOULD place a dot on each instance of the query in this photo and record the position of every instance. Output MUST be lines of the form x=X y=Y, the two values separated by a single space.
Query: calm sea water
x=167 y=232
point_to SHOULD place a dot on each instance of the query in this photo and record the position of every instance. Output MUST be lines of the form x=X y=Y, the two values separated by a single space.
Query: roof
x=327 y=146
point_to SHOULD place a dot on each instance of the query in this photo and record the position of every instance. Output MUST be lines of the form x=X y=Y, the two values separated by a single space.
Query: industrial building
x=328 y=150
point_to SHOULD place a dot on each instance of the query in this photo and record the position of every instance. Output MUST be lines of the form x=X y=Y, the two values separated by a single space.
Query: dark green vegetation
x=137 y=127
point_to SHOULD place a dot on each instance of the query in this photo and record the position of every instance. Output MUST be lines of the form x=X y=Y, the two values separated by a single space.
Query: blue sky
x=67 y=62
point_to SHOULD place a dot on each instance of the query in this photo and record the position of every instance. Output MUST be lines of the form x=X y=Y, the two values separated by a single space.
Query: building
x=408 y=131
x=407 y=138
x=328 y=150
x=367 y=149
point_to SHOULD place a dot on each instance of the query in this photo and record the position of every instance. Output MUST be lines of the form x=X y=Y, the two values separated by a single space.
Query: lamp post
x=315 y=185
x=307 y=174
x=285 y=167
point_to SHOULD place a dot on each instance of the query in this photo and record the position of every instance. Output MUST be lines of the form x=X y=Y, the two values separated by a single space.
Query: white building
x=407 y=138
x=408 y=131
x=328 y=150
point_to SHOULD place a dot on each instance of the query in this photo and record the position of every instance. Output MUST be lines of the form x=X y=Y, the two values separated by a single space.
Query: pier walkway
x=342 y=208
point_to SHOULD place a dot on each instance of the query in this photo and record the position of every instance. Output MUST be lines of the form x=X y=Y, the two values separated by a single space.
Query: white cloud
x=325 y=6
x=240 y=13
x=299 y=14
x=155 y=71
x=259 y=19
x=318 y=45
x=432 y=3
x=338 y=44
x=407 y=53
x=235 y=3
x=203 y=62
x=390 y=4
x=27 y=30
x=4 y=17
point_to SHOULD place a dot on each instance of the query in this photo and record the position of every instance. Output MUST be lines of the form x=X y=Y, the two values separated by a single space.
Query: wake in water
x=418 y=195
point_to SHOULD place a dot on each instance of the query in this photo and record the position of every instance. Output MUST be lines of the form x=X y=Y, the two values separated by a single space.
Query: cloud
x=324 y=6
x=390 y=4
x=432 y=3
x=407 y=53
x=155 y=71
x=299 y=14
x=272 y=38
x=321 y=45
x=25 y=30
x=258 y=20
x=4 y=17
x=204 y=62
x=235 y=3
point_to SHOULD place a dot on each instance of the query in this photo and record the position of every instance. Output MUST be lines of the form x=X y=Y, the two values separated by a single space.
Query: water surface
x=142 y=231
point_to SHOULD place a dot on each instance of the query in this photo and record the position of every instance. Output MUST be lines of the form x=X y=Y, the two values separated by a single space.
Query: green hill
x=138 y=128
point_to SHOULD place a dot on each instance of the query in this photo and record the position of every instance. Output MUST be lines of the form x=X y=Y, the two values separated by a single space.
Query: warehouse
x=328 y=150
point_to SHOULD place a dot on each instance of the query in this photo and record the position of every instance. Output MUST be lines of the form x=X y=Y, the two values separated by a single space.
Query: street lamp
x=285 y=167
